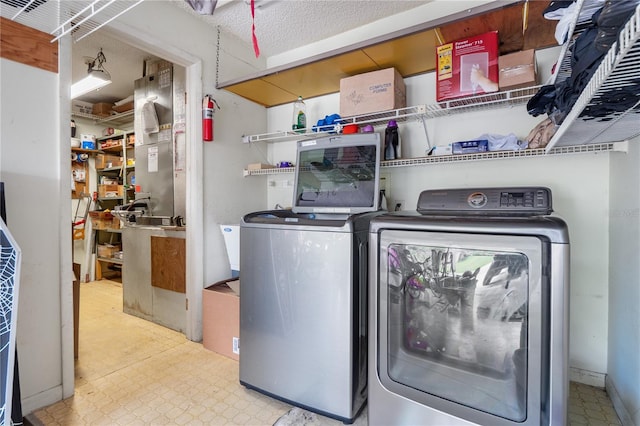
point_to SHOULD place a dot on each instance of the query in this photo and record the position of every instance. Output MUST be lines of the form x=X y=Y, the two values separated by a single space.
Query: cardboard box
x=372 y=92
x=467 y=67
x=259 y=166
x=108 y=250
x=103 y=220
x=81 y=107
x=100 y=161
x=124 y=107
x=518 y=70
x=221 y=319
x=111 y=143
x=109 y=191
x=104 y=161
x=102 y=109
x=441 y=150
x=470 y=147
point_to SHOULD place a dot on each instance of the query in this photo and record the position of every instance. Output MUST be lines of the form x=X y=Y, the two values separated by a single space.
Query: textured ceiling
x=281 y=25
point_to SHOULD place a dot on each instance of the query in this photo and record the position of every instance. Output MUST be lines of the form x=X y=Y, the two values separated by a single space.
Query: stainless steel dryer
x=468 y=308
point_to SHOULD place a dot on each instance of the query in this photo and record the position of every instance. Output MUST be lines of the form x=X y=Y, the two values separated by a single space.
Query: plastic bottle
x=299 y=116
x=391 y=141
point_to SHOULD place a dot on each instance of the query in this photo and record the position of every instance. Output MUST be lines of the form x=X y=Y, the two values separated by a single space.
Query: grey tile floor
x=133 y=372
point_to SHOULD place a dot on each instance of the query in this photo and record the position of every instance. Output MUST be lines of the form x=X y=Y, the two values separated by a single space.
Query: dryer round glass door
x=455 y=321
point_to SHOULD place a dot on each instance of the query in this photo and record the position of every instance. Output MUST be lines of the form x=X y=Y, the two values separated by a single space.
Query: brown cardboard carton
x=259 y=166
x=81 y=107
x=108 y=250
x=124 y=107
x=102 y=109
x=372 y=92
x=103 y=220
x=221 y=319
x=104 y=161
x=110 y=191
x=518 y=70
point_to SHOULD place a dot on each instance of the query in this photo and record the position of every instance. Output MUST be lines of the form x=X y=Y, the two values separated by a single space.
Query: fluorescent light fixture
x=94 y=80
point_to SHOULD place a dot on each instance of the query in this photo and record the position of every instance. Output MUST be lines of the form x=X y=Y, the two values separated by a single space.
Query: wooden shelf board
x=520 y=26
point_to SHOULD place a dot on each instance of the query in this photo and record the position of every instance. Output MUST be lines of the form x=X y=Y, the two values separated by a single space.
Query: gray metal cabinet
x=141 y=297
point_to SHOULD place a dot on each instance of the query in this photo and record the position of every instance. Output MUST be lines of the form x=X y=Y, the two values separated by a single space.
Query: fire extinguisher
x=208 y=106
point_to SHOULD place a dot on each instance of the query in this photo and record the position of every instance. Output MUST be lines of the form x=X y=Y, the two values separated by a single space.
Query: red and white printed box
x=467 y=67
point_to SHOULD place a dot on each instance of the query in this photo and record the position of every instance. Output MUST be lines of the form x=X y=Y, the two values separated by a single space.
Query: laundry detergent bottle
x=391 y=141
x=299 y=116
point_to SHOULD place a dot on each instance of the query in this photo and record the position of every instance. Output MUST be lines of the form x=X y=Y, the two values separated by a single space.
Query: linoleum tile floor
x=131 y=371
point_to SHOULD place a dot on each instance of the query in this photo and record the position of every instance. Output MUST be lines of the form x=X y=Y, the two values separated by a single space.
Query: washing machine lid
x=337 y=174
x=499 y=201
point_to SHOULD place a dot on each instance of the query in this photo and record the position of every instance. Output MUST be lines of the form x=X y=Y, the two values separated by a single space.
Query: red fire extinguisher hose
x=208 y=107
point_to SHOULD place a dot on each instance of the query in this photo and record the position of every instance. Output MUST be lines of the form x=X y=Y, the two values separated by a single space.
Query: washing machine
x=468 y=310
x=303 y=309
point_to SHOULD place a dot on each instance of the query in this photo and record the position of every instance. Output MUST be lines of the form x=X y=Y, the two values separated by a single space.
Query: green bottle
x=299 y=116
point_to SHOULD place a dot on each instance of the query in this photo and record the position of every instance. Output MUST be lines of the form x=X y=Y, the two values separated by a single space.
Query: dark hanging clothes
x=612 y=19
x=558 y=99
x=587 y=53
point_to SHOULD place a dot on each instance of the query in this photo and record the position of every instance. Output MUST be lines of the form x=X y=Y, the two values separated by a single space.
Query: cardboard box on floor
x=221 y=318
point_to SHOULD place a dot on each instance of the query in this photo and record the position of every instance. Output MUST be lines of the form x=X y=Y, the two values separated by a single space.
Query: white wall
x=225 y=157
x=579 y=184
x=30 y=166
x=36 y=168
x=623 y=368
x=34 y=163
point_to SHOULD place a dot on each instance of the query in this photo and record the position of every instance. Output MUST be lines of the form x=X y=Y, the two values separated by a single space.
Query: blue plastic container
x=88 y=145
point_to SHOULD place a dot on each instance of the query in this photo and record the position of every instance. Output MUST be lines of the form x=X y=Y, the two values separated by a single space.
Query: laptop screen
x=337 y=174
